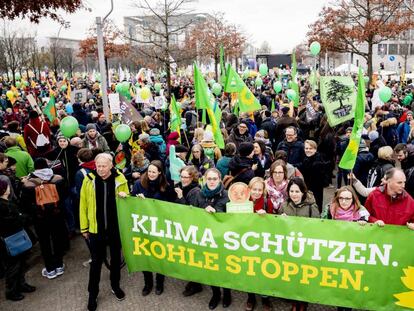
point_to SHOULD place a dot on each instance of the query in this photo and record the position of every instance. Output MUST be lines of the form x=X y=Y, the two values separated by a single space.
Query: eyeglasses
x=242 y=127
x=278 y=173
x=185 y=177
x=344 y=199
x=212 y=179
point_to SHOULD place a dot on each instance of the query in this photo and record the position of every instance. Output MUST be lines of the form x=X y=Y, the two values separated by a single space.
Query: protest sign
x=79 y=96
x=338 y=96
x=128 y=112
x=114 y=103
x=322 y=261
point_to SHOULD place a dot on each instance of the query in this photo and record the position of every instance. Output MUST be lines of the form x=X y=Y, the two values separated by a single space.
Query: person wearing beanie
x=94 y=140
x=156 y=138
x=242 y=166
x=31 y=133
x=404 y=128
x=48 y=219
x=210 y=148
x=11 y=222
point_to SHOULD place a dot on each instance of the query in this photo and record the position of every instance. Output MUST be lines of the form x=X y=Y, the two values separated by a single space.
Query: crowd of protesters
x=287 y=156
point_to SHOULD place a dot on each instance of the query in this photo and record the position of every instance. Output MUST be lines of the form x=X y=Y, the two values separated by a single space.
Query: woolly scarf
x=277 y=194
x=346 y=215
x=210 y=193
x=258 y=204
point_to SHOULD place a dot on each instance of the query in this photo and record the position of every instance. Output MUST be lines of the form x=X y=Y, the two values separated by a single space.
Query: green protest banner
x=338 y=96
x=321 y=261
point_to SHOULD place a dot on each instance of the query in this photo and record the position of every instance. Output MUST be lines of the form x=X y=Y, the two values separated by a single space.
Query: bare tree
x=162 y=26
x=69 y=59
x=265 y=48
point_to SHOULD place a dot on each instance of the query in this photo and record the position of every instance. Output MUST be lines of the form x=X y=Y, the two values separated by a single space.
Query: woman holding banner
x=276 y=186
x=300 y=203
x=213 y=198
x=152 y=184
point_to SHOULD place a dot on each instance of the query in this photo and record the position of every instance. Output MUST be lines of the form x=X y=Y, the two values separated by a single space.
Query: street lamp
x=101 y=57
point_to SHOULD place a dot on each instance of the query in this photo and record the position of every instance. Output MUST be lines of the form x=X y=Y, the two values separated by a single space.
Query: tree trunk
x=369 y=60
x=168 y=71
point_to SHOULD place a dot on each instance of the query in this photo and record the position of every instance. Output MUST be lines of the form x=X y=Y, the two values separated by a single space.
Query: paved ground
x=69 y=291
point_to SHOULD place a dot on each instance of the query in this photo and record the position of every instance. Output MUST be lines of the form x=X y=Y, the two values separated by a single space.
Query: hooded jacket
x=242 y=167
x=100 y=141
x=306 y=208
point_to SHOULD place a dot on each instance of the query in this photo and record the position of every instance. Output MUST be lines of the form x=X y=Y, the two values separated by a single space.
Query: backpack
x=46 y=194
x=375 y=175
x=41 y=140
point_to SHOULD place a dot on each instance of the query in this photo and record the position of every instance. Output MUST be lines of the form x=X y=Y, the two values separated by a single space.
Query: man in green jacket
x=24 y=162
x=99 y=223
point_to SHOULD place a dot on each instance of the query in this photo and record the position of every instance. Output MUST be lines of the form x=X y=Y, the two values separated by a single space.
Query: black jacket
x=242 y=167
x=218 y=201
x=295 y=151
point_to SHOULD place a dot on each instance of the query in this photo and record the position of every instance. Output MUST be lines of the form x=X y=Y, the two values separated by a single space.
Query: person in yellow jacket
x=99 y=223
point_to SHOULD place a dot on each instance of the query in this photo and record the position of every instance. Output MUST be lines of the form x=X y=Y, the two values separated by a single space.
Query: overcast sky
x=283 y=24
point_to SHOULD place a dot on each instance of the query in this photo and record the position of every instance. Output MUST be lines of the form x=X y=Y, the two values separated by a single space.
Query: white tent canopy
x=345 y=68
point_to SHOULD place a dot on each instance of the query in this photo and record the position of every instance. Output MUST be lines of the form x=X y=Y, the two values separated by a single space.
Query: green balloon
x=315 y=48
x=118 y=88
x=385 y=94
x=246 y=73
x=291 y=94
x=216 y=89
x=69 y=126
x=124 y=87
x=211 y=82
x=263 y=69
x=366 y=79
x=157 y=87
x=17 y=76
x=258 y=81
x=122 y=133
x=277 y=86
x=252 y=82
x=63 y=88
x=18 y=84
x=26 y=83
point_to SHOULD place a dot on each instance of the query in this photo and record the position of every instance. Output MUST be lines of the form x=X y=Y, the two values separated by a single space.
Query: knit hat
x=60 y=136
x=181 y=149
x=362 y=146
x=245 y=149
x=154 y=132
x=409 y=112
x=144 y=137
x=373 y=135
x=94 y=114
x=90 y=126
x=3 y=186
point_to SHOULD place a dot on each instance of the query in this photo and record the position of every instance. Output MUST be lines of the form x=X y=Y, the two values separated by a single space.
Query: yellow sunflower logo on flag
x=406 y=299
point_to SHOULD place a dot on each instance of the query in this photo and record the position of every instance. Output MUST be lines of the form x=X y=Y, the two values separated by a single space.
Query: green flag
x=234 y=84
x=273 y=105
x=50 y=109
x=293 y=74
x=222 y=68
x=175 y=123
x=201 y=98
x=348 y=159
x=202 y=91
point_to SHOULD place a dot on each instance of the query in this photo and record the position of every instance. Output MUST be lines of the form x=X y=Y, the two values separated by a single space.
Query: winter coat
x=83 y=170
x=295 y=151
x=403 y=130
x=87 y=205
x=270 y=127
x=172 y=139
x=314 y=169
x=11 y=221
x=376 y=144
x=388 y=129
x=223 y=165
x=190 y=194
x=262 y=164
x=203 y=164
x=100 y=142
x=282 y=123
x=218 y=201
x=30 y=136
x=24 y=162
x=307 y=208
x=236 y=138
x=68 y=158
x=237 y=165
x=363 y=163
x=159 y=141
x=392 y=211
x=80 y=114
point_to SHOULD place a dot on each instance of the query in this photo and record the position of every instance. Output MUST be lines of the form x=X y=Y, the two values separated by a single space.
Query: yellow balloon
x=145 y=93
x=9 y=94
